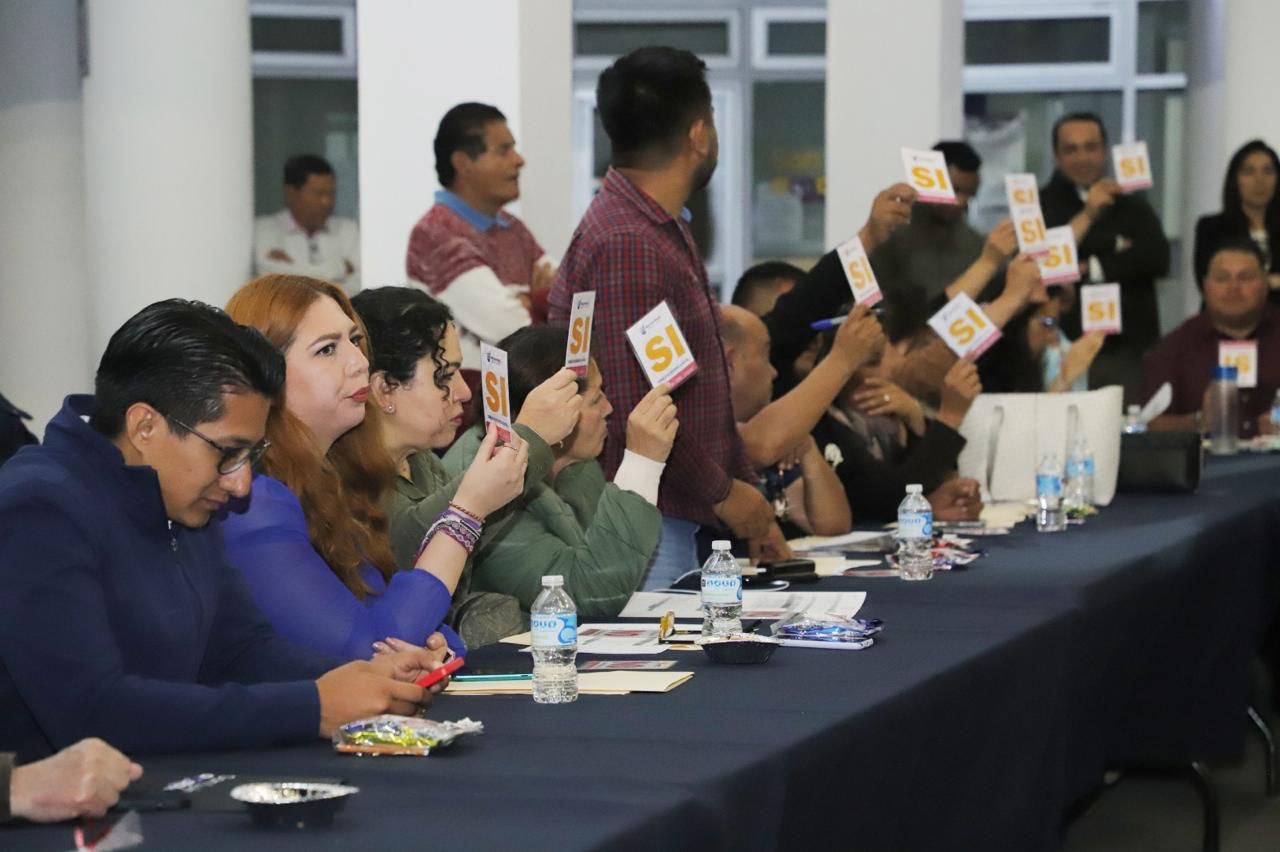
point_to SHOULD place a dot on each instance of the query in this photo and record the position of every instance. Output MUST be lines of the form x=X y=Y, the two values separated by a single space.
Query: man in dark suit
x=1120 y=240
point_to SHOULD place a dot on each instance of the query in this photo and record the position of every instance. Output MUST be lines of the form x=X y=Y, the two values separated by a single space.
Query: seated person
x=306 y=238
x=1035 y=356
x=415 y=359
x=1250 y=208
x=83 y=780
x=134 y=628
x=1235 y=308
x=311 y=539
x=878 y=440
x=600 y=536
x=808 y=498
x=760 y=286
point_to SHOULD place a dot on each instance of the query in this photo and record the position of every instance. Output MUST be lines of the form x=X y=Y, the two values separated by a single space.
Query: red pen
x=435 y=676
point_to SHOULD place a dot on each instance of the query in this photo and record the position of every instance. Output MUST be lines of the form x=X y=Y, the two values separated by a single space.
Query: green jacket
x=479 y=617
x=597 y=536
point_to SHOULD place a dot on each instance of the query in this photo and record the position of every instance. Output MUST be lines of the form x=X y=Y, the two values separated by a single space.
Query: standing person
x=305 y=238
x=1250 y=208
x=634 y=249
x=476 y=258
x=1120 y=239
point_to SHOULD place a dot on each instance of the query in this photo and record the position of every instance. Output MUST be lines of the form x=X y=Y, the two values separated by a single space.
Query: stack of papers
x=630 y=639
x=754 y=604
x=589 y=683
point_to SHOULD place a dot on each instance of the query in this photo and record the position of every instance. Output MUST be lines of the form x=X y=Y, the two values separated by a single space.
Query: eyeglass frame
x=252 y=453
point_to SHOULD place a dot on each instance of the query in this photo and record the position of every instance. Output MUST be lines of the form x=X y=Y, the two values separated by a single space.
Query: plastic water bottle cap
x=915 y=488
x=552 y=580
x=720 y=544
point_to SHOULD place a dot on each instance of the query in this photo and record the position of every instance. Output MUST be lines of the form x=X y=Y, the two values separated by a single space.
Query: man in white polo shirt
x=306 y=238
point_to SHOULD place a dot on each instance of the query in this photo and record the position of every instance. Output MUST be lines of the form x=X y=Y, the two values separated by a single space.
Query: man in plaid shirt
x=634 y=249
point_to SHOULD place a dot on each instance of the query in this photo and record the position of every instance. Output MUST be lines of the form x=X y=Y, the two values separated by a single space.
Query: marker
x=823 y=325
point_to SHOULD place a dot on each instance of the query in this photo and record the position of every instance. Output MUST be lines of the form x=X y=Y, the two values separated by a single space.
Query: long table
x=995 y=697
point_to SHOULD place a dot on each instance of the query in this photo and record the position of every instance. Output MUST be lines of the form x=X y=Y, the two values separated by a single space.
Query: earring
x=390 y=409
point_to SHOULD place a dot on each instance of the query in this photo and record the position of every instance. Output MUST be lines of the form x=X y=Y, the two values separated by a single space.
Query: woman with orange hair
x=311 y=538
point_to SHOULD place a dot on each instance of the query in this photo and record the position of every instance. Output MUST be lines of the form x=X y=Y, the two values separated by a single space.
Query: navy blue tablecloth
x=995 y=697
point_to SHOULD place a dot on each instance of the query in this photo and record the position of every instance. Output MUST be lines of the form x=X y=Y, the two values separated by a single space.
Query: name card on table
x=1100 y=308
x=1243 y=355
x=577 y=351
x=857 y=269
x=661 y=349
x=964 y=327
x=497 y=402
x=1133 y=166
x=927 y=173
x=1060 y=264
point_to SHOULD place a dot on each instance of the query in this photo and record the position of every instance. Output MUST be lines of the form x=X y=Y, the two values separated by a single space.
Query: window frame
x=762 y=59
x=729 y=17
x=277 y=63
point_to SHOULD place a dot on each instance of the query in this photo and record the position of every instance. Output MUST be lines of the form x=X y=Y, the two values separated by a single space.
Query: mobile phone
x=433 y=677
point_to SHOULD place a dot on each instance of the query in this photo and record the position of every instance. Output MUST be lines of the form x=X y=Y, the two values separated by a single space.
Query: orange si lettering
x=495 y=394
x=858 y=273
x=961 y=331
x=579 y=335
x=659 y=354
x=927 y=178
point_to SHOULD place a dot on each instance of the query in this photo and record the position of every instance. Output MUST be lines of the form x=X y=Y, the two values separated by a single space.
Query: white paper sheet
x=754 y=604
x=835 y=542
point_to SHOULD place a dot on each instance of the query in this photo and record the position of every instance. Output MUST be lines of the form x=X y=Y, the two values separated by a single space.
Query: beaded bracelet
x=462 y=529
x=462 y=511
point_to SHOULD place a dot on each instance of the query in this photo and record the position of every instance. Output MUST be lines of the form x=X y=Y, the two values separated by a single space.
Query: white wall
x=419 y=59
x=44 y=318
x=893 y=81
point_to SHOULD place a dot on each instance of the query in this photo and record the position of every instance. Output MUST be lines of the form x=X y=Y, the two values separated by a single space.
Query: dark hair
x=1079 y=116
x=959 y=154
x=648 y=100
x=302 y=166
x=762 y=276
x=404 y=325
x=1232 y=204
x=181 y=357
x=1233 y=242
x=534 y=354
x=462 y=129
x=1009 y=365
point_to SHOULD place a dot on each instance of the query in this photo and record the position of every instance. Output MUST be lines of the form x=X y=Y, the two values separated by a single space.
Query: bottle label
x=915 y=525
x=1088 y=466
x=1048 y=485
x=551 y=631
x=1073 y=468
x=721 y=589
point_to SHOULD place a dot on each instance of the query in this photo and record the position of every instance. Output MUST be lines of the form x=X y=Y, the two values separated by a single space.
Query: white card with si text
x=1243 y=355
x=661 y=348
x=582 y=311
x=1133 y=166
x=493 y=390
x=1100 y=308
x=858 y=272
x=928 y=176
x=1060 y=263
x=1028 y=224
x=1021 y=189
x=965 y=327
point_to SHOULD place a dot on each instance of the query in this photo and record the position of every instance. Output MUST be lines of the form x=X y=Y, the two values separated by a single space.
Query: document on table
x=998 y=515
x=589 y=683
x=848 y=541
x=754 y=604
x=835 y=566
x=615 y=638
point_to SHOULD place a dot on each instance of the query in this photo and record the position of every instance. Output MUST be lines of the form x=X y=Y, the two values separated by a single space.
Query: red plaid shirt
x=634 y=255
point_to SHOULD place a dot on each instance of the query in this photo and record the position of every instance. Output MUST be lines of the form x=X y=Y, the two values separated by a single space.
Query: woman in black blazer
x=1250 y=208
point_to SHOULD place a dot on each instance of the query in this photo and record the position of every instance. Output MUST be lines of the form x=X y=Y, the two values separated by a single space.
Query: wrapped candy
x=397 y=735
x=804 y=629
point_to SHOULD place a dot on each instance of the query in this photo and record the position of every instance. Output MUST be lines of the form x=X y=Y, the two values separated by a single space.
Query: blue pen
x=823 y=325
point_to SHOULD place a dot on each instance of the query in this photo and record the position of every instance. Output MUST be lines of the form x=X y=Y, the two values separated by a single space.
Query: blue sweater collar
x=471 y=215
x=94 y=458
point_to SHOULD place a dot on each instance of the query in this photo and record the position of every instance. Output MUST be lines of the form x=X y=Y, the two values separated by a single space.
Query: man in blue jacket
x=120 y=618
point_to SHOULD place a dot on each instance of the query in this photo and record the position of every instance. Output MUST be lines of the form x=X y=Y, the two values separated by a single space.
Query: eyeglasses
x=1049 y=322
x=230 y=459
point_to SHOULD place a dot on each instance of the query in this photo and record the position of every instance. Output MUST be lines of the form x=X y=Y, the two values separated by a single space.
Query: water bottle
x=1224 y=411
x=1050 y=514
x=915 y=535
x=1133 y=424
x=721 y=592
x=1079 y=492
x=1275 y=413
x=554 y=620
